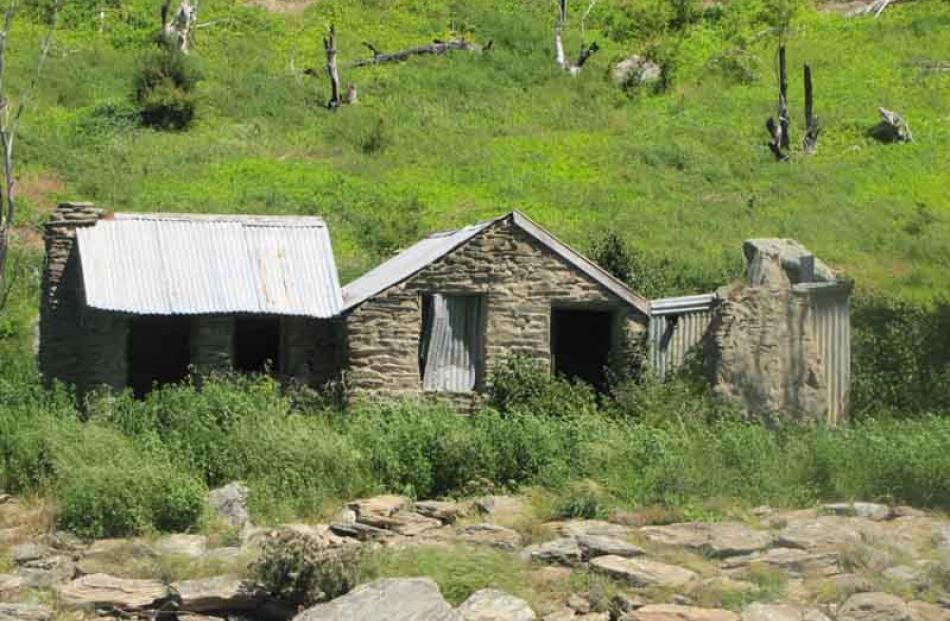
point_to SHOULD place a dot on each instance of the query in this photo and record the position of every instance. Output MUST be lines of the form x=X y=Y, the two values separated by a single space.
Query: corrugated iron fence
x=676 y=325
x=831 y=331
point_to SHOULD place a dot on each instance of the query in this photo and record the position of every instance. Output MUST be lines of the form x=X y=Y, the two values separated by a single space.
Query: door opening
x=256 y=344
x=158 y=351
x=580 y=344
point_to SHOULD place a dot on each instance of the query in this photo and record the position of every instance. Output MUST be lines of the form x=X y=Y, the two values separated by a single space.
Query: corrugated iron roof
x=416 y=257
x=170 y=264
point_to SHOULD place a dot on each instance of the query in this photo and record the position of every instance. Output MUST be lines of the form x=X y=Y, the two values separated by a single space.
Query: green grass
x=683 y=175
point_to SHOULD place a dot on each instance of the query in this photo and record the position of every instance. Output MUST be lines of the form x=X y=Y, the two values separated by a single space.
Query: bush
x=519 y=384
x=302 y=570
x=164 y=89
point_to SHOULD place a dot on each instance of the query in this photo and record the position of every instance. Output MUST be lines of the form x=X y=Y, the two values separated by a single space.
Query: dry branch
x=778 y=131
x=812 y=127
x=436 y=47
x=586 y=50
x=329 y=45
x=179 y=30
x=893 y=127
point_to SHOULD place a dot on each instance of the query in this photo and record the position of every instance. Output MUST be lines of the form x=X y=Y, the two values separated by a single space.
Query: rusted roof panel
x=171 y=264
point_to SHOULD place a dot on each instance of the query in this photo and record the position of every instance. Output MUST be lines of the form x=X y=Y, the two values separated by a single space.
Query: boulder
x=874 y=607
x=401 y=522
x=378 y=505
x=643 y=572
x=444 y=511
x=48 y=571
x=104 y=554
x=577 y=528
x=500 y=505
x=359 y=531
x=230 y=504
x=786 y=254
x=674 y=612
x=925 y=611
x=10 y=585
x=191 y=546
x=564 y=551
x=105 y=591
x=26 y=552
x=823 y=533
x=869 y=510
x=491 y=535
x=216 y=594
x=390 y=599
x=24 y=612
x=719 y=540
x=603 y=545
x=781 y=612
x=495 y=605
x=634 y=71
x=790 y=560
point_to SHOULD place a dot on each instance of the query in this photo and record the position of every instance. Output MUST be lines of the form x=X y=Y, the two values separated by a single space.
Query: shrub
x=584 y=500
x=519 y=384
x=164 y=89
x=301 y=569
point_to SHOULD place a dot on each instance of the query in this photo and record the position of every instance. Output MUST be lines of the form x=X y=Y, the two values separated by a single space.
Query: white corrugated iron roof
x=416 y=257
x=170 y=264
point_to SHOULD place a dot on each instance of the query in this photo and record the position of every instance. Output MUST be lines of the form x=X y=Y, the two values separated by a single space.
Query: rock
x=10 y=585
x=24 y=612
x=602 y=545
x=500 y=505
x=634 y=71
x=361 y=532
x=26 y=552
x=104 y=554
x=191 y=546
x=594 y=616
x=495 y=605
x=790 y=560
x=874 y=607
x=577 y=528
x=65 y=541
x=564 y=551
x=345 y=516
x=401 y=522
x=674 y=612
x=787 y=253
x=444 y=511
x=492 y=535
x=869 y=510
x=626 y=602
x=391 y=599
x=905 y=511
x=217 y=594
x=378 y=505
x=925 y=611
x=781 y=612
x=725 y=584
x=563 y=614
x=105 y=591
x=579 y=603
x=45 y=572
x=718 y=540
x=823 y=533
x=643 y=572
x=9 y=535
x=904 y=574
x=230 y=503
x=849 y=584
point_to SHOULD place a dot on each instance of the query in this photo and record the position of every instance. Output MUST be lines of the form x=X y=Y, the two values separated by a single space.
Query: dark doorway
x=256 y=344
x=158 y=351
x=580 y=344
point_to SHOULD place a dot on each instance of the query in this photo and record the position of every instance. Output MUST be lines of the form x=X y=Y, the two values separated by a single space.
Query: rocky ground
x=837 y=562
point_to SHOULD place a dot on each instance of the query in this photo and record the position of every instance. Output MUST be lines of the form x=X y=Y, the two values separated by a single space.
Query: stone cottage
x=142 y=299
x=436 y=317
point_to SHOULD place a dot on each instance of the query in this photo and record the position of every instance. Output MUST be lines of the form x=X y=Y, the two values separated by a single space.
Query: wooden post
x=812 y=128
x=783 y=120
x=329 y=44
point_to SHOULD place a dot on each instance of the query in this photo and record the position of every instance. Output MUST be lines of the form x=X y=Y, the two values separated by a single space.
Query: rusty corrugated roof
x=170 y=264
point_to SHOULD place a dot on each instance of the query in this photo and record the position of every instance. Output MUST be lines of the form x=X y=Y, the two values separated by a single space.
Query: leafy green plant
x=165 y=89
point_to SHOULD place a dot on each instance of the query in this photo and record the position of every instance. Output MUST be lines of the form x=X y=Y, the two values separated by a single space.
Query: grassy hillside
x=436 y=142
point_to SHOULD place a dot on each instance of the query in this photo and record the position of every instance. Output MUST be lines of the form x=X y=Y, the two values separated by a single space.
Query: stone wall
x=521 y=280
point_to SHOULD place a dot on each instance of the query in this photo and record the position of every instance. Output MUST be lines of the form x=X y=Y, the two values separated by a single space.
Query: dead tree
x=893 y=127
x=436 y=47
x=812 y=127
x=779 y=131
x=178 y=30
x=586 y=51
x=9 y=124
x=329 y=44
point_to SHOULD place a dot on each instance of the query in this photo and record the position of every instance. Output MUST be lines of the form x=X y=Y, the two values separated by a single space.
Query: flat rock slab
x=495 y=605
x=10 y=585
x=563 y=551
x=359 y=531
x=716 y=539
x=26 y=552
x=216 y=594
x=105 y=591
x=868 y=510
x=191 y=546
x=641 y=572
x=874 y=607
x=391 y=599
x=46 y=572
x=401 y=522
x=791 y=560
x=925 y=611
x=603 y=545
x=442 y=510
x=24 y=612
x=577 y=528
x=378 y=505
x=491 y=535
x=500 y=505
x=781 y=612
x=674 y=612
x=822 y=533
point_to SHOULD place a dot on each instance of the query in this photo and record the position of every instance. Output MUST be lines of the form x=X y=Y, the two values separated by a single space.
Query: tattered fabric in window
x=452 y=343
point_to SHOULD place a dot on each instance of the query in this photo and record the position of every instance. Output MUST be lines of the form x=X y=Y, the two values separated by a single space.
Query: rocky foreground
x=838 y=562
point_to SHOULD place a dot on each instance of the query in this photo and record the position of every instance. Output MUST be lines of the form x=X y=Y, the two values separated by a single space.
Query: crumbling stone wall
x=775 y=344
x=521 y=280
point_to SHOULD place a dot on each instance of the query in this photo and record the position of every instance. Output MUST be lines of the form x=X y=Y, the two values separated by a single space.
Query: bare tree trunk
x=9 y=124
x=783 y=119
x=329 y=44
x=436 y=47
x=586 y=51
x=812 y=128
x=178 y=30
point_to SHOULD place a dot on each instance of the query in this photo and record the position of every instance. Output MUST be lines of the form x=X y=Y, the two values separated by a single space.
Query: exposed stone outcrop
x=673 y=612
x=874 y=607
x=105 y=591
x=495 y=605
x=24 y=612
x=217 y=594
x=641 y=572
x=230 y=503
x=392 y=599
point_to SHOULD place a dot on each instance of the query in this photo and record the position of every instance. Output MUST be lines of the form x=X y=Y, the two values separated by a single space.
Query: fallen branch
x=436 y=47
x=812 y=127
x=892 y=128
x=178 y=30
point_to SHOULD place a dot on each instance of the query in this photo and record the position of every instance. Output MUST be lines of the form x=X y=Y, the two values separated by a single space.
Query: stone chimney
x=62 y=298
